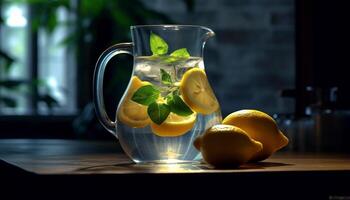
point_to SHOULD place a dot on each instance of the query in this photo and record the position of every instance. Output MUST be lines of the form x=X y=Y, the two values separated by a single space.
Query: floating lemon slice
x=197 y=92
x=174 y=125
x=131 y=113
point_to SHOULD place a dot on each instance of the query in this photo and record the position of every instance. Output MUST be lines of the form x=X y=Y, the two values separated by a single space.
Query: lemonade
x=169 y=112
x=168 y=102
x=146 y=138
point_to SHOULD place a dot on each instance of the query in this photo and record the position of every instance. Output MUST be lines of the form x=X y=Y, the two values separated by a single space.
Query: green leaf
x=146 y=95
x=158 y=45
x=69 y=40
x=176 y=92
x=52 y=22
x=8 y=60
x=48 y=100
x=177 y=55
x=169 y=98
x=39 y=83
x=9 y=102
x=35 y=24
x=92 y=8
x=158 y=112
x=169 y=59
x=180 y=53
x=178 y=106
x=165 y=76
x=122 y=18
x=12 y=84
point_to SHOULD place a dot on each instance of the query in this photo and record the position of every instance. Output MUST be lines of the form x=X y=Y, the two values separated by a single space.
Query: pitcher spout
x=207 y=33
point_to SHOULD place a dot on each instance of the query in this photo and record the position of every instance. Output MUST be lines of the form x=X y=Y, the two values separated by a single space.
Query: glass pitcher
x=168 y=101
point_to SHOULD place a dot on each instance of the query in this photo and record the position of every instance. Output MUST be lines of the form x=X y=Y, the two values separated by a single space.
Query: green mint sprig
x=180 y=53
x=160 y=48
x=158 y=45
x=165 y=77
x=148 y=95
x=158 y=111
x=177 y=105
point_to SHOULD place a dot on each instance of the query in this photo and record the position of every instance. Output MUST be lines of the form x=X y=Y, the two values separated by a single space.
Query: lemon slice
x=131 y=113
x=197 y=92
x=174 y=125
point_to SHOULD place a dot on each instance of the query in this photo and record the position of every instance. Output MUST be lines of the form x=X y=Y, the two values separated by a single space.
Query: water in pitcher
x=145 y=139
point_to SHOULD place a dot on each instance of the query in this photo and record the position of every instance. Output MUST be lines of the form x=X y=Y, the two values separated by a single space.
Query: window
x=13 y=37
x=55 y=69
x=42 y=72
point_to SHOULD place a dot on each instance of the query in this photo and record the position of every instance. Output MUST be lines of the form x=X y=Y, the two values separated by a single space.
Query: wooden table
x=73 y=158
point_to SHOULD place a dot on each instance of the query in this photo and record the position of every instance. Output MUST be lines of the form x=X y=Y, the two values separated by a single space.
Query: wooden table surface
x=104 y=157
x=62 y=167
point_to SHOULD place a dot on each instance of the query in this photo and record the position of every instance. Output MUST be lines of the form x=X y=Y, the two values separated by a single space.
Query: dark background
x=285 y=57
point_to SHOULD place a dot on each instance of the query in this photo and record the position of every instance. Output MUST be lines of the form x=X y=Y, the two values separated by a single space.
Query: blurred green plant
x=87 y=21
x=16 y=86
x=6 y=62
x=87 y=12
x=19 y=85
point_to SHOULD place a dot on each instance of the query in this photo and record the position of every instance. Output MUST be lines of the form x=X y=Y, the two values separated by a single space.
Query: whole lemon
x=226 y=145
x=260 y=127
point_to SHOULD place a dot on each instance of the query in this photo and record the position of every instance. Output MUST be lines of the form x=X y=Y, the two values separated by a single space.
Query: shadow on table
x=7 y=169
x=130 y=167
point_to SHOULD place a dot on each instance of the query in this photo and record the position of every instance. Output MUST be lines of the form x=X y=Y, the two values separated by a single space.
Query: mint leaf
x=165 y=76
x=169 y=59
x=176 y=92
x=169 y=99
x=178 y=106
x=177 y=55
x=146 y=95
x=158 y=112
x=158 y=45
x=180 y=53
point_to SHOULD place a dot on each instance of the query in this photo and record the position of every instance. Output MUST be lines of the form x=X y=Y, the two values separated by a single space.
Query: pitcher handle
x=98 y=83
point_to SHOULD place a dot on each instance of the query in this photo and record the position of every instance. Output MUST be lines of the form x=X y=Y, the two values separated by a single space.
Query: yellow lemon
x=197 y=93
x=174 y=125
x=226 y=145
x=260 y=127
x=131 y=113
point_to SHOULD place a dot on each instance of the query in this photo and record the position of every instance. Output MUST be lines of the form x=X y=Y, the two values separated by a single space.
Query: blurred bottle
x=324 y=128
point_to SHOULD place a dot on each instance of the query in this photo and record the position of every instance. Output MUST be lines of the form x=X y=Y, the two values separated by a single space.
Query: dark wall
x=251 y=59
x=322 y=54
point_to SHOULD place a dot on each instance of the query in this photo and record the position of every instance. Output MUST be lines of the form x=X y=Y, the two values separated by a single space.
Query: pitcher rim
x=171 y=26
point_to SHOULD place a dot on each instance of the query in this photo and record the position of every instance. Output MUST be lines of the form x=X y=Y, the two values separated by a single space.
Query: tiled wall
x=252 y=57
